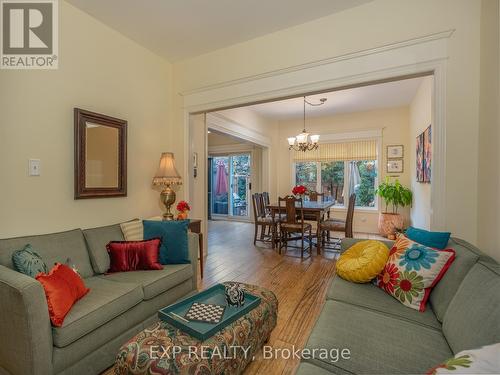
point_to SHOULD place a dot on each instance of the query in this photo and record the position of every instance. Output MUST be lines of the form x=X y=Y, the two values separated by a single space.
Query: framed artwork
x=395 y=166
x=424 y=155
x=427 y=154
x=395 y=151
x=420 y=158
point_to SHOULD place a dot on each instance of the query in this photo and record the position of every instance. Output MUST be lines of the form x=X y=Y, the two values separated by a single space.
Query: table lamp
x=167 y=175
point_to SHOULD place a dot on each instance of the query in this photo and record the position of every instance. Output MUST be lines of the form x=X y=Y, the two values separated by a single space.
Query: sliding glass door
x=230 y=186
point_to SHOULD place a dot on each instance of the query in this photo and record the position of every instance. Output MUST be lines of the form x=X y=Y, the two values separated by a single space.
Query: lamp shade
x=167 y=173
x=302 y=137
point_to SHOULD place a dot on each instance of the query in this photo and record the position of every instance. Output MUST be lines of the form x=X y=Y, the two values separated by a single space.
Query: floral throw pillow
x=412 y=270
x=485 y=360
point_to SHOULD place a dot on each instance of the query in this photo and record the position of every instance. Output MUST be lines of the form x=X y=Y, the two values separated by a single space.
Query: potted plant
x=395 y=195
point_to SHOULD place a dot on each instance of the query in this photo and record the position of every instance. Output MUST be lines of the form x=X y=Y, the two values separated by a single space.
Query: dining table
x=315 y=209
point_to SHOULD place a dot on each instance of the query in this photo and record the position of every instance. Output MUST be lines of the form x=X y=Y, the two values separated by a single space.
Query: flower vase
x=182 y=215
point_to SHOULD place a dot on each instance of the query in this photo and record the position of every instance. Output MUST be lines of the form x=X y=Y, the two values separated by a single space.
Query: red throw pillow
x=63 y=287
x=134 y=255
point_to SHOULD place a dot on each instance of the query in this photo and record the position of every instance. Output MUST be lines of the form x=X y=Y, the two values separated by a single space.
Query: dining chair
x=262 y=221
x=265 y=198
x=293 y=226
x=338 y=225
x=264 y=201
x=314 y=196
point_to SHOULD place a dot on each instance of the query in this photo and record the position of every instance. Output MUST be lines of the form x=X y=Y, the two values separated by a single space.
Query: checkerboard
x=207 y=313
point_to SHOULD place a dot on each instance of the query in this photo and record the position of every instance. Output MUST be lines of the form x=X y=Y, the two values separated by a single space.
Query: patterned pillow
x=412 y=270
x=133 y=230
x=485 y=360
x=28 y=261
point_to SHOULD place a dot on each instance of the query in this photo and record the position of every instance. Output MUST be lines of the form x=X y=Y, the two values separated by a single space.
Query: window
x=306 y=174
x=339 y=179
x=365 y=193
x=332 y=180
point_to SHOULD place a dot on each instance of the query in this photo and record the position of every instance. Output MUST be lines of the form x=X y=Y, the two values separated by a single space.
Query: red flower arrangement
x=183 y=206
x=299 y=190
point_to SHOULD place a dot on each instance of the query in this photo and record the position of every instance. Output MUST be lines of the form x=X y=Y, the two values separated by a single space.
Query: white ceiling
x=178 y=29
x=379 y=96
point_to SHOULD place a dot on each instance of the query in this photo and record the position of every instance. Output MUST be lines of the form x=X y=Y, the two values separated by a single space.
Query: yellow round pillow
x=362 y=261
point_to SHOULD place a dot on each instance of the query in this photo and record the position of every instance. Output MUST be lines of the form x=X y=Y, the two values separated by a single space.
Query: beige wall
x=99 y=70
x=488 y=223
x=420 y=119
x=375 y=24
x=393 y=122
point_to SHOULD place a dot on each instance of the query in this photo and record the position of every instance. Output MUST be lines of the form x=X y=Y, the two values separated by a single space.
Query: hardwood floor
x=300 y=286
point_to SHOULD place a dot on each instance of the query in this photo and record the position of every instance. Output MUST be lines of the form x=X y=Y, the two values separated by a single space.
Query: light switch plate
x=34 y=167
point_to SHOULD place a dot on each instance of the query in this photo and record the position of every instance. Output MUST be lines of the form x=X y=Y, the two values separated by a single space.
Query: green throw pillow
x=174 y=239
x=28 y=261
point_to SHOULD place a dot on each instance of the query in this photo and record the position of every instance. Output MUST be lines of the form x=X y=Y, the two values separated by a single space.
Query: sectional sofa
x=385 y=337
x=117 y=307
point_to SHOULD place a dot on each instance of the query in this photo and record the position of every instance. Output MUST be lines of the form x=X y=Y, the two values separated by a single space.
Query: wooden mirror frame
x=81 y=191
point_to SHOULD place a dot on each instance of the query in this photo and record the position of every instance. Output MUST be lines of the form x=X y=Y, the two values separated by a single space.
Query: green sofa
x=385 y=337
x=117 y=307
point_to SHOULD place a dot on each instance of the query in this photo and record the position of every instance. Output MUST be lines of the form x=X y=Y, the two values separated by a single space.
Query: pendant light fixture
x=303 y=141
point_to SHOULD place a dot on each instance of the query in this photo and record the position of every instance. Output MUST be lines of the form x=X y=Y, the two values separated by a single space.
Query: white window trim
x=376 y=135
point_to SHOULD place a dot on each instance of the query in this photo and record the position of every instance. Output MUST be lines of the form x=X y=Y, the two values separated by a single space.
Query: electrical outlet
x=34 y=167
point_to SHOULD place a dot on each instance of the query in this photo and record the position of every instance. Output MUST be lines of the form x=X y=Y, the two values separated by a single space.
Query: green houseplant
x=394 y=195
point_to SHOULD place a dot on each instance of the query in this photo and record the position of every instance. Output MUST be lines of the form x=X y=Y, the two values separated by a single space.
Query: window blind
x=344 y=151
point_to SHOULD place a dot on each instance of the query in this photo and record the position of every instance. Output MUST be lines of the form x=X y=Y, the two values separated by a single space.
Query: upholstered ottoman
x=164 y=349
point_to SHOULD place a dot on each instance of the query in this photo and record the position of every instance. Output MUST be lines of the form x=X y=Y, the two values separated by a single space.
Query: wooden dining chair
x=265 y=198
x=338 y=225
x=314 y=196
x=293 y=226
x=262 y=221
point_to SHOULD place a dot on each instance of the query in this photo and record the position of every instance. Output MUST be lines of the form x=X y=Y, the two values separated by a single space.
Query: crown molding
x=327 y=61
x=221 y=123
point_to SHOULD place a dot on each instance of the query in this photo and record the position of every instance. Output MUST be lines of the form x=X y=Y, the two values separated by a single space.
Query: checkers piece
x=207 y=313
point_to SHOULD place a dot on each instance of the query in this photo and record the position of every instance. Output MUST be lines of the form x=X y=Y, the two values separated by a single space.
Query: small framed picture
x=395 y=151
x=395 y=166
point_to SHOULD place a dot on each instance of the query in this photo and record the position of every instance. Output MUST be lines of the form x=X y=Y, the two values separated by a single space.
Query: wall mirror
x=100 y=155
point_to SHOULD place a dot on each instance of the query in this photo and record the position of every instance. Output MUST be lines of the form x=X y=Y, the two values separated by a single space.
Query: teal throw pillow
x=437 y=240
x=174 y=239
x=28 y=261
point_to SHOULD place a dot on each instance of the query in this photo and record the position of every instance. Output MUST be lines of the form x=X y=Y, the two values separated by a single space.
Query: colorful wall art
x=424 y=155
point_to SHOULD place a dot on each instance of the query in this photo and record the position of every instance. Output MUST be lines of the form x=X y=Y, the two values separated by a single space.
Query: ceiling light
x=303 y=141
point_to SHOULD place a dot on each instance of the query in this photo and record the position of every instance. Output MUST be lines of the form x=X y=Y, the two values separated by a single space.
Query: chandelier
x=304 y=142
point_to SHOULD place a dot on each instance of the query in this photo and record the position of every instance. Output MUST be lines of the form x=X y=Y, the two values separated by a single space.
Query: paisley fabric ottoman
x=164 y=349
